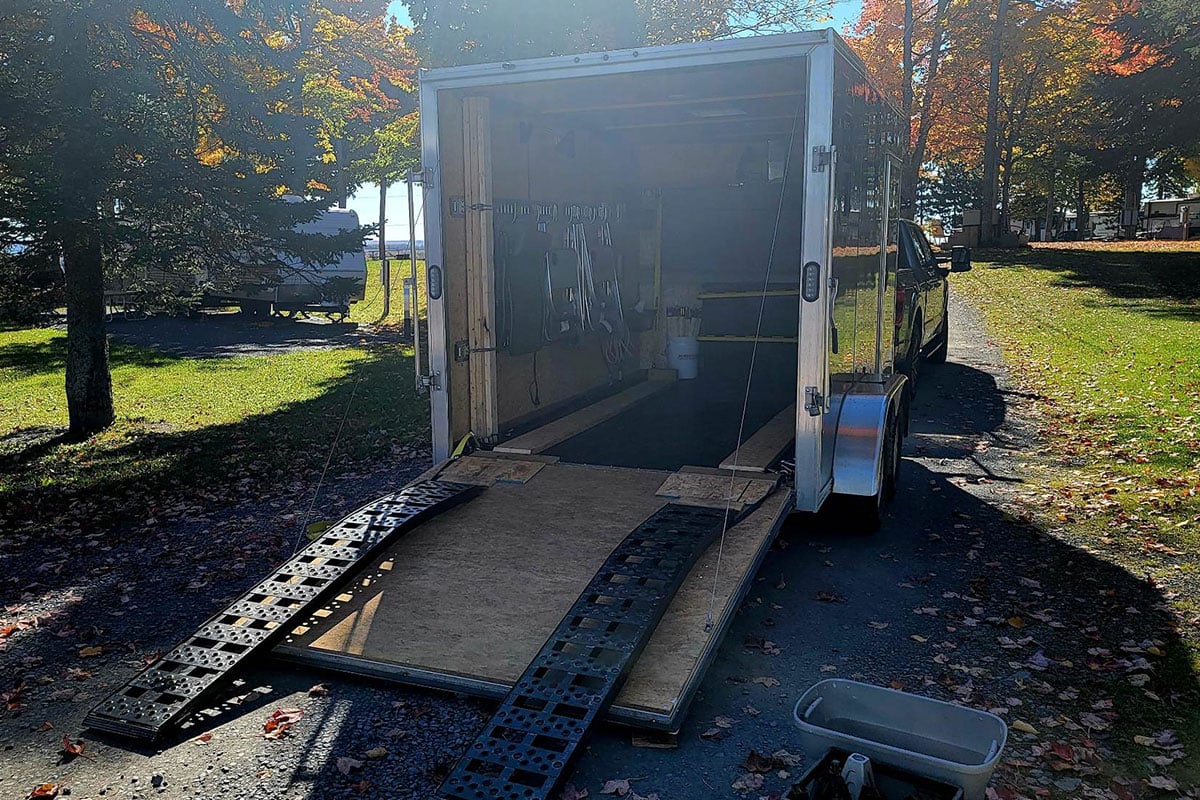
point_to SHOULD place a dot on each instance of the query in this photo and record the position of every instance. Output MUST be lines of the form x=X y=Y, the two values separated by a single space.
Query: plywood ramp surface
x=767 y=444
x=558 y=431
x=475 y=592
x=480 y=471
x=716 y=490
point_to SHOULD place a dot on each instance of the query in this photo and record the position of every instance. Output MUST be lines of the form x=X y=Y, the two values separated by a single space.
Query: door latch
x=814 y=401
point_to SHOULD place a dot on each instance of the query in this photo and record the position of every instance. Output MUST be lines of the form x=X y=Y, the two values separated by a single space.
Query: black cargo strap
x=526 y=749
x=165 y=693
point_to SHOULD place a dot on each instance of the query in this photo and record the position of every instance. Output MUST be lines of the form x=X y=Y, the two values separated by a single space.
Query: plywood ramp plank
x=560 y=430
x=478 y=471
x=716 y=490
x=767 y=444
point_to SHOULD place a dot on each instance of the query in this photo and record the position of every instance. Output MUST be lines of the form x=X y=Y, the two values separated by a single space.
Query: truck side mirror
x=960 y=259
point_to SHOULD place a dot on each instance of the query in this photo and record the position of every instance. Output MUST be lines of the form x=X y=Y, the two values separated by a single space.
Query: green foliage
x=30 y=288
x=166 y=130
x=480 y=31
x=947 y=189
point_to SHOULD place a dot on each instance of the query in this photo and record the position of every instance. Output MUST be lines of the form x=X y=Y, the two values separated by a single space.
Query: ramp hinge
x=814 y=401
x=822 y=158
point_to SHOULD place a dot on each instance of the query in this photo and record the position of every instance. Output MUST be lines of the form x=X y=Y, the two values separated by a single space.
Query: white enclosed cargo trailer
x=748 y=183
x=593 y=220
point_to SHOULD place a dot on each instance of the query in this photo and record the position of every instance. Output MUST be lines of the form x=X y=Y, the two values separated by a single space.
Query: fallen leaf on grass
x=362 y=787
x=570 y=792
x=766 y=681
x=1023 y=727
x=1164 y=783
x=46 y=726
x=45 y=790
x=345 y=765
x=320 y=690
x=91 y=652
x=1016 y=622
x=203 y=738
x=830 y=597
x=879 y=626
x=376 y=753
x=713 y=734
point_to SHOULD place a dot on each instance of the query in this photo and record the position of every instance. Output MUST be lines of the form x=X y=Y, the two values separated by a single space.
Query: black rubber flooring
x=693 y=423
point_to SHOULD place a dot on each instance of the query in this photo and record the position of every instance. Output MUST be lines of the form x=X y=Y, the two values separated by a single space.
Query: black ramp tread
x=166 y=693
x=527 y=748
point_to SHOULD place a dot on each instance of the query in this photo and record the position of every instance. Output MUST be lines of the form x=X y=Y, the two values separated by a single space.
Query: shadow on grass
x=27 y=360
x=100 y=485
x=1169 y=278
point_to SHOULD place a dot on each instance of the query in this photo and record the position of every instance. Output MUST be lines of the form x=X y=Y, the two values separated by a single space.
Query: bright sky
x=366 y=200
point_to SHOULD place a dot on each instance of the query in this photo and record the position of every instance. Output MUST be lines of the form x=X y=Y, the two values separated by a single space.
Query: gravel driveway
x=955 y=598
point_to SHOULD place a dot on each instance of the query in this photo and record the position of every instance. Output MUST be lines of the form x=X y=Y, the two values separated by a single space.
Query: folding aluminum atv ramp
x=167 y=692
x=528 y=746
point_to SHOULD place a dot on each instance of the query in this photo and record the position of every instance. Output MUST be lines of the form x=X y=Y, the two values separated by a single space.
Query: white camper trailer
x=296 y=287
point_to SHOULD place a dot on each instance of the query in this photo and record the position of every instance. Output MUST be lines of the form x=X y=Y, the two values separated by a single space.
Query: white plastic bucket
x=683 y=356
x=948 y=743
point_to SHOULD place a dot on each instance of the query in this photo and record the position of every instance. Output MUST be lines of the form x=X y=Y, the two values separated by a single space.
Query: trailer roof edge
x=747 y=48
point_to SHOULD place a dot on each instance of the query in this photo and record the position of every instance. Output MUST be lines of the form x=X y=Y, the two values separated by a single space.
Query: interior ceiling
x=733 y=102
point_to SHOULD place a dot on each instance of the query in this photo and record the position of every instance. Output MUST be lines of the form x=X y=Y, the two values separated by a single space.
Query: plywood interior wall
x=539 y=170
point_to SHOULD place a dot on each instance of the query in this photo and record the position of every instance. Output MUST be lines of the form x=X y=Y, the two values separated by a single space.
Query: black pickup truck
x=922 y=300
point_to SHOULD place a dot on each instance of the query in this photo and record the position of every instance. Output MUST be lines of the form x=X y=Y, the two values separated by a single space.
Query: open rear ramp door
x=466 y=602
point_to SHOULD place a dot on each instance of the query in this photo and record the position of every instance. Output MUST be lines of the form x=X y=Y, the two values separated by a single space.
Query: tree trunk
x=385 y=267
x=1131 y=207
x=1006 y=188
x=89 y=384
x=908 y=192
x=908 y=180
x=991 y=141
x=1050 y=204
x=1082 y=219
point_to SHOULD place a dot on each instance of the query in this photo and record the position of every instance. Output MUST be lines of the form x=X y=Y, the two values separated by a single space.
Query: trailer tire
x=866 y=513
x=910 y=367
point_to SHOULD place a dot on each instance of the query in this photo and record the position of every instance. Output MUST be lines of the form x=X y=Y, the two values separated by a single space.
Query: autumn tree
x=157 y=134
x=479 y=31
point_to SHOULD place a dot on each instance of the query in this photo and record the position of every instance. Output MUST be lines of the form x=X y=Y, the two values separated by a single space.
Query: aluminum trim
x=439 y=394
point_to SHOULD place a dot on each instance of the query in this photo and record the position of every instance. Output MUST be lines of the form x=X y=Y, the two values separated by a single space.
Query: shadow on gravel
x=1169 y=277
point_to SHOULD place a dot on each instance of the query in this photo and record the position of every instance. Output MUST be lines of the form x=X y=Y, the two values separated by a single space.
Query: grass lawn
x=196 y=426
x=1108 y=338
x=370 y=310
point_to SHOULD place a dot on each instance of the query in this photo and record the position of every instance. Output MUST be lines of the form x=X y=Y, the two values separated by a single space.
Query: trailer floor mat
x=164 y=694
x=527 y=747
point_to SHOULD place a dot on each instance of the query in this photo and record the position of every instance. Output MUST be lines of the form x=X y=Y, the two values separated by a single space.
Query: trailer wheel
x=866 y=513
x=911 y=365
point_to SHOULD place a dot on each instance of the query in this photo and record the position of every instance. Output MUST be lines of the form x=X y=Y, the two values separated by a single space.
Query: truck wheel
x=911 y=365
x=941 y=343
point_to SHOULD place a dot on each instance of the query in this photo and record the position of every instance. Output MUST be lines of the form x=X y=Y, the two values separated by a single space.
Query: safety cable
x=762 y=305
x=328 y=460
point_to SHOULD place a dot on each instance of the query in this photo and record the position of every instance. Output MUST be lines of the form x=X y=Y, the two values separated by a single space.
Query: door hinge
x=814 y=401
x=430 y=382
x=822 y=158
